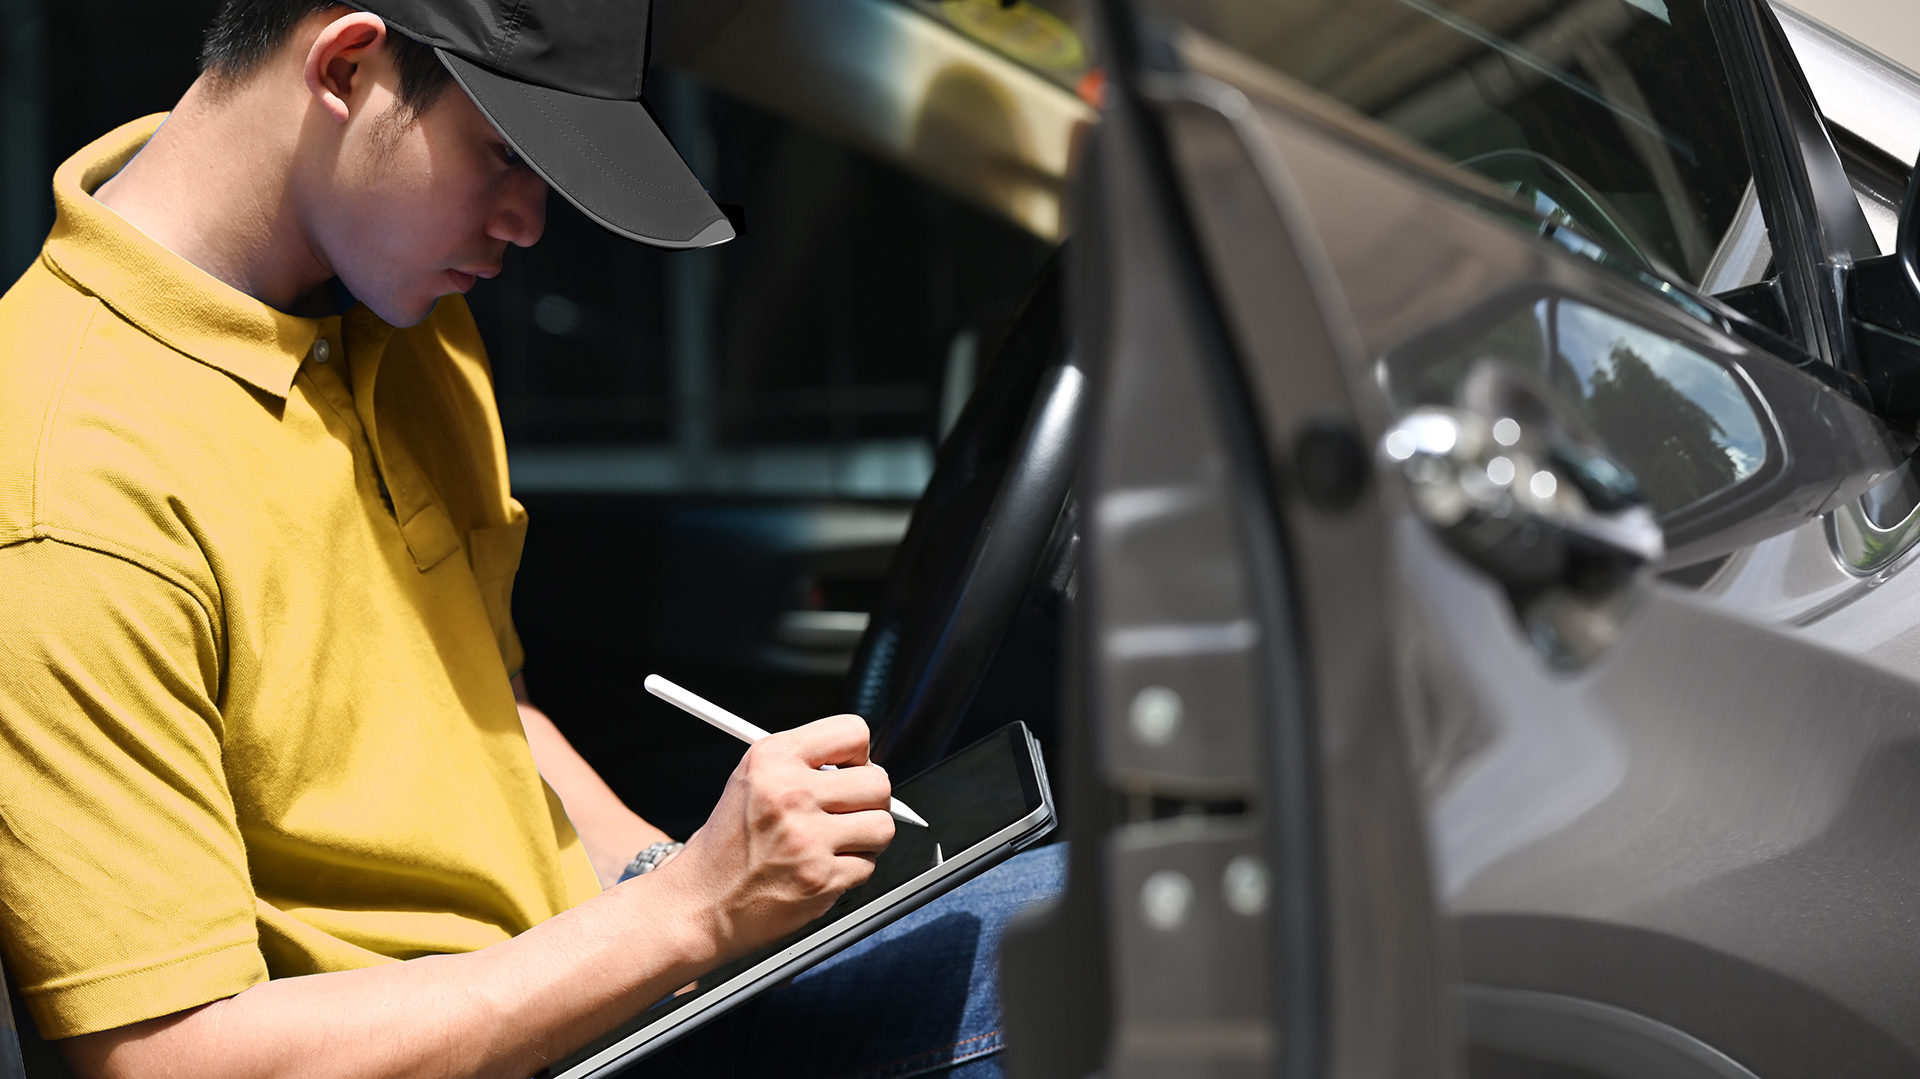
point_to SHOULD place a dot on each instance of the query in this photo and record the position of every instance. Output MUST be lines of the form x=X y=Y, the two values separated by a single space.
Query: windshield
x=1612 y=116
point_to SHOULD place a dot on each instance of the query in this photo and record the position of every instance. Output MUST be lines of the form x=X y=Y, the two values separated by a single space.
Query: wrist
x=683 y=923
x=651 y=858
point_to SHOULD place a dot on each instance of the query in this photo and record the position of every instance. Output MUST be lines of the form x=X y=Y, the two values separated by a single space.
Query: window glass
x=1678 y=420
x=1613 y=116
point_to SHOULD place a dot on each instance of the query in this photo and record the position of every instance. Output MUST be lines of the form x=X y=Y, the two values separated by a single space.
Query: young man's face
x=414 y=211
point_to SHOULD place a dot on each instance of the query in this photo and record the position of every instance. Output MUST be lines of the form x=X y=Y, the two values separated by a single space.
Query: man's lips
x=464 y=279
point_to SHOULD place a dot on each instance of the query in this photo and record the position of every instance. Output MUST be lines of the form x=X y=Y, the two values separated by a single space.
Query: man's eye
x=511 y=155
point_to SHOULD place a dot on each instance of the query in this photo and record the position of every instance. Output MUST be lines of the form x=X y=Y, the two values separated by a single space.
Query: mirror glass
x=1681 y=421
x=1678 y=420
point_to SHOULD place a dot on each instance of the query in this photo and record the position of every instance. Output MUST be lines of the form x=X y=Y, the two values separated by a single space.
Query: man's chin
x=401 y=313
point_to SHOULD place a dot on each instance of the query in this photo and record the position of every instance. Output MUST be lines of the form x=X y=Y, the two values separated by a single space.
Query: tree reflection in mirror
x=1678 y=420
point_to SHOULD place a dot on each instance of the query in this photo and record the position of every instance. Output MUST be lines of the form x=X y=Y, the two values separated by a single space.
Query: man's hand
x=786 y=839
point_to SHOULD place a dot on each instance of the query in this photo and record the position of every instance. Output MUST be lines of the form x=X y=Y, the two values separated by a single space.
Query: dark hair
x=246 y=32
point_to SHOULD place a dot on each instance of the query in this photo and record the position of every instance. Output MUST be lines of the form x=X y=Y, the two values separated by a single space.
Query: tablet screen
x=967 y=799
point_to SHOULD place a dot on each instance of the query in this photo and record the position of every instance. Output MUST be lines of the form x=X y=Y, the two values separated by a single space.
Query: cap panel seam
x=510 y=31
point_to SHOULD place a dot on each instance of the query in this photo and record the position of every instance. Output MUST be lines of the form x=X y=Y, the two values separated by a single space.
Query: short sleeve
x=124 y=890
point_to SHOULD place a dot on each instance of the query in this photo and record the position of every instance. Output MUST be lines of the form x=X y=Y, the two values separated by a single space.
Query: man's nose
x=521 y=215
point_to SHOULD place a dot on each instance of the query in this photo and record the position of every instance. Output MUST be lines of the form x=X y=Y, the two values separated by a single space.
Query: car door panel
x=1678 y=791
x=1397 y=260
x=1172 y=613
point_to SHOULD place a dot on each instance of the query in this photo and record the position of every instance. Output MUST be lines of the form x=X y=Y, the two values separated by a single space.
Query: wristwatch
x=650 y=859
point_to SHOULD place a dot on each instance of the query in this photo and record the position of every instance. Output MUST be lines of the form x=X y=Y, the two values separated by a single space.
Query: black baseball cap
x=561 y=80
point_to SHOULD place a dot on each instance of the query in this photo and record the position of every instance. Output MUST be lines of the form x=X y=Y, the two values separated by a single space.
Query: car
x=1446 y=509
x=1493 y=650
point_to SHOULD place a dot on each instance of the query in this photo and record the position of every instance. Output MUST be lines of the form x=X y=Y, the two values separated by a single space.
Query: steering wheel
x=995 y=521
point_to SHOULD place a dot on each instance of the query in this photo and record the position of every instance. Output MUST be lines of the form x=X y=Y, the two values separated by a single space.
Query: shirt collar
x=169 y=298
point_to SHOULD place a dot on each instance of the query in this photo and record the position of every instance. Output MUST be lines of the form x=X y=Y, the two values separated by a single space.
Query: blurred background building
x=1890 y=26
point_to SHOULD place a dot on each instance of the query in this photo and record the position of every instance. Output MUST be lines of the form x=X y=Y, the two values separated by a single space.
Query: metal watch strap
x=649 y=860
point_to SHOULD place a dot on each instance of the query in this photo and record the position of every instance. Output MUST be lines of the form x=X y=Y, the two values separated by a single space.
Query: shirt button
x=322 y=351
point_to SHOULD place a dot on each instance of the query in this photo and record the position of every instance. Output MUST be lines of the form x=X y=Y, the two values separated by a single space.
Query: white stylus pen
x=695 y=705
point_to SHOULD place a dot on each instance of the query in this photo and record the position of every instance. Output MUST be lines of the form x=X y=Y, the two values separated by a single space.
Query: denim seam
x=943 y=1057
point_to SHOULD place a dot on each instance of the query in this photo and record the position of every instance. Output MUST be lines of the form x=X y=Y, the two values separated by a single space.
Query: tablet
x=983 y=804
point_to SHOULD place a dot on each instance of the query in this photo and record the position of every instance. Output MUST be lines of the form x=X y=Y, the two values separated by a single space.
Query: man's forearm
x=506 y=1011
x=611 y=833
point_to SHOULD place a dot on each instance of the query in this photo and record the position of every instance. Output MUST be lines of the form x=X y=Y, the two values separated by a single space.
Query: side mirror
x=1505 y=482
x=1883 y=297
x=1726 y=446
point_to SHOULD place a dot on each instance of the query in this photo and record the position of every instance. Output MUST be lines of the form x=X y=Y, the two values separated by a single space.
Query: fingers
x=838 y=743
x=787 y=839
x=867 y=832
x=853 y=870
x=837 y=740
x=850 y=790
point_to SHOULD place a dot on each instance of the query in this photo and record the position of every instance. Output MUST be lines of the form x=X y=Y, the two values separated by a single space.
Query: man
x=268 y=805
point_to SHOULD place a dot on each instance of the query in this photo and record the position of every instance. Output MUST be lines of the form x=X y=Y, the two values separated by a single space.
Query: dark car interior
x=835 y=331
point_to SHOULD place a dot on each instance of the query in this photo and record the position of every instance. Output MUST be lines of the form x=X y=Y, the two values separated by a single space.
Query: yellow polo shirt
x=255 y=719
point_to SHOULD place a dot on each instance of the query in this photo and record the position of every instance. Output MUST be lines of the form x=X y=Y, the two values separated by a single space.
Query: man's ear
x=336 y=56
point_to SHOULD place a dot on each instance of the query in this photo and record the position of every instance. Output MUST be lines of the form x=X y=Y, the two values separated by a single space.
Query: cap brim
x=606 y=157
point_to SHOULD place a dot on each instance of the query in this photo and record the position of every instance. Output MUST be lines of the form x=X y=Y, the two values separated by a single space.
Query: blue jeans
x=919 y=997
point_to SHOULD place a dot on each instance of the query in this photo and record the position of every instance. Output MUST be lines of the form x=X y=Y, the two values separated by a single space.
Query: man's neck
x=214 y=186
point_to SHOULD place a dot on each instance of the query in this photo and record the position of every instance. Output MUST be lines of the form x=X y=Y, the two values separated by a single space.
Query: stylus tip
x=901 y=813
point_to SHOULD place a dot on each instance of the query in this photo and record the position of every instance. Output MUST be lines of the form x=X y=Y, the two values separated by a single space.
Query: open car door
x=1248 y=892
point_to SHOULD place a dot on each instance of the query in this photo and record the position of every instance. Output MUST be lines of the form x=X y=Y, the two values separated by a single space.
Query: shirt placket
x=424 y=523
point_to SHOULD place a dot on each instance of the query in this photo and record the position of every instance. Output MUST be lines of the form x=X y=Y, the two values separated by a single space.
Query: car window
x=1613 y=117
x=1679 y=421
x=821 y=354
